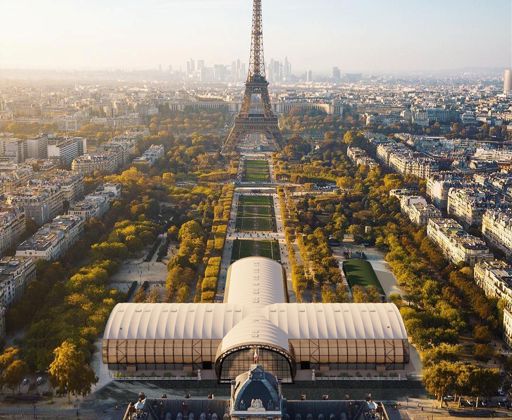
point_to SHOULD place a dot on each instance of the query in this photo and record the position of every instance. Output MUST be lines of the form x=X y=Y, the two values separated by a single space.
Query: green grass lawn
x=258 y=200
x=360 y=273
x=256 y=171
x=250 y=224
x=249 y=248
x=255 y=213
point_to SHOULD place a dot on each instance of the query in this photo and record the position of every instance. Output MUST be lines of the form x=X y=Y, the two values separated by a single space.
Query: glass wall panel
x=240 y=361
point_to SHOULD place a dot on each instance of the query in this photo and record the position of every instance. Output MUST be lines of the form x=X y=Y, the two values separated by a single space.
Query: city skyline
x=363 y=36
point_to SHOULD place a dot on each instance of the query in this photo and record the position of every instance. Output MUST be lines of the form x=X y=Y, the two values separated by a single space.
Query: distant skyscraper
x=287 y=69
x=507 y=81
x=336 y=74
x=309 y=76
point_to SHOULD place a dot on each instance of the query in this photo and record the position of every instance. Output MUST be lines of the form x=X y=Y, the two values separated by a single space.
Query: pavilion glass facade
x=240 y=360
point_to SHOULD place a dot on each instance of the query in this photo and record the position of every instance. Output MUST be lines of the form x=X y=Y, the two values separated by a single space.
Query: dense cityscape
x=206 y=241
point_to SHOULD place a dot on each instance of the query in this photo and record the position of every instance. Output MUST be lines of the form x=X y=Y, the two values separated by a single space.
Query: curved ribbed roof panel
x=331 y=321
x=215 y=321
x=173 y=321
x=255 y=280
x=255 y=329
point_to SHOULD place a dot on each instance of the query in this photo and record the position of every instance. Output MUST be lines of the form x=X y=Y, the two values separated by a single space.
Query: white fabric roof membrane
x=255 y=329
x=255 y=280
x=213 y=321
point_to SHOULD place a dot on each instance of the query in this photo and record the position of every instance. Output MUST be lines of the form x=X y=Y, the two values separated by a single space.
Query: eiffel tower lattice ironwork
x=255 y=116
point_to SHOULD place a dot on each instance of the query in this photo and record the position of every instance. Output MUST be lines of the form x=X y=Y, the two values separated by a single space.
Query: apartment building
x=405 y=161
x=150 y=156
x=12 y=226
x=439 y=184
x=416 y=208
x=40 y=203
x=105 y=163
x=507 y=326
x=495 y=278
x=53 y=239
x=15 y=274
x=123 y=148
x=109 y=189
x=65 y=150
x=70 y=183
x=360 y=157
x=13 y=175
x=13 y=148
x=457 y=245
x=37 y=147
x=91 y=206
x=497 y=229
x=468 y=204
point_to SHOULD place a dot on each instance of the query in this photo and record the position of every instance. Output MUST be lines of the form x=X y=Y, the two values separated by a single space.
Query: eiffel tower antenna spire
x=257 y=59
x=256 y=115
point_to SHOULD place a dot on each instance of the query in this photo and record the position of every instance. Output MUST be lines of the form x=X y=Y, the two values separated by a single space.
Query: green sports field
x=255 y=213
x=252 y=248
x=360 y=273
x=256 y=171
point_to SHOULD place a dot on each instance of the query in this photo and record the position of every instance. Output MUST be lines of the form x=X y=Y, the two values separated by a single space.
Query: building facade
x=53 y=239
x=12 y=226
x=457 y=245
x=497 y=229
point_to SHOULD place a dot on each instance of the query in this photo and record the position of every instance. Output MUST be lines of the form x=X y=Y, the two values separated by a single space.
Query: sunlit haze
x=368 y=35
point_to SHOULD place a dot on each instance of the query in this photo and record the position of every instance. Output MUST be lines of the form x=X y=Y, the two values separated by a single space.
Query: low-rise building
x=457 y=245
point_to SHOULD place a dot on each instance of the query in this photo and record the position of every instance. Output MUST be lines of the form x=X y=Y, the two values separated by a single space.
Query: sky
x=355 y=35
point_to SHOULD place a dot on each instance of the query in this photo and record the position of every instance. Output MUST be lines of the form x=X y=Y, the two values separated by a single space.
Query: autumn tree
x=69 y=372
x=12 y=369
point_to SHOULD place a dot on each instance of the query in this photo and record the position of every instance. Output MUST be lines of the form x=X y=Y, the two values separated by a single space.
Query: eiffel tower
x=256 y=115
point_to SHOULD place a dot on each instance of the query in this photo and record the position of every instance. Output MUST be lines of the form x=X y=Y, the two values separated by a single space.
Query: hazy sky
x=356 y=35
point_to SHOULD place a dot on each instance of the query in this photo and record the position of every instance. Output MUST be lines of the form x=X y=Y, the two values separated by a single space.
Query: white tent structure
x=255 y=315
